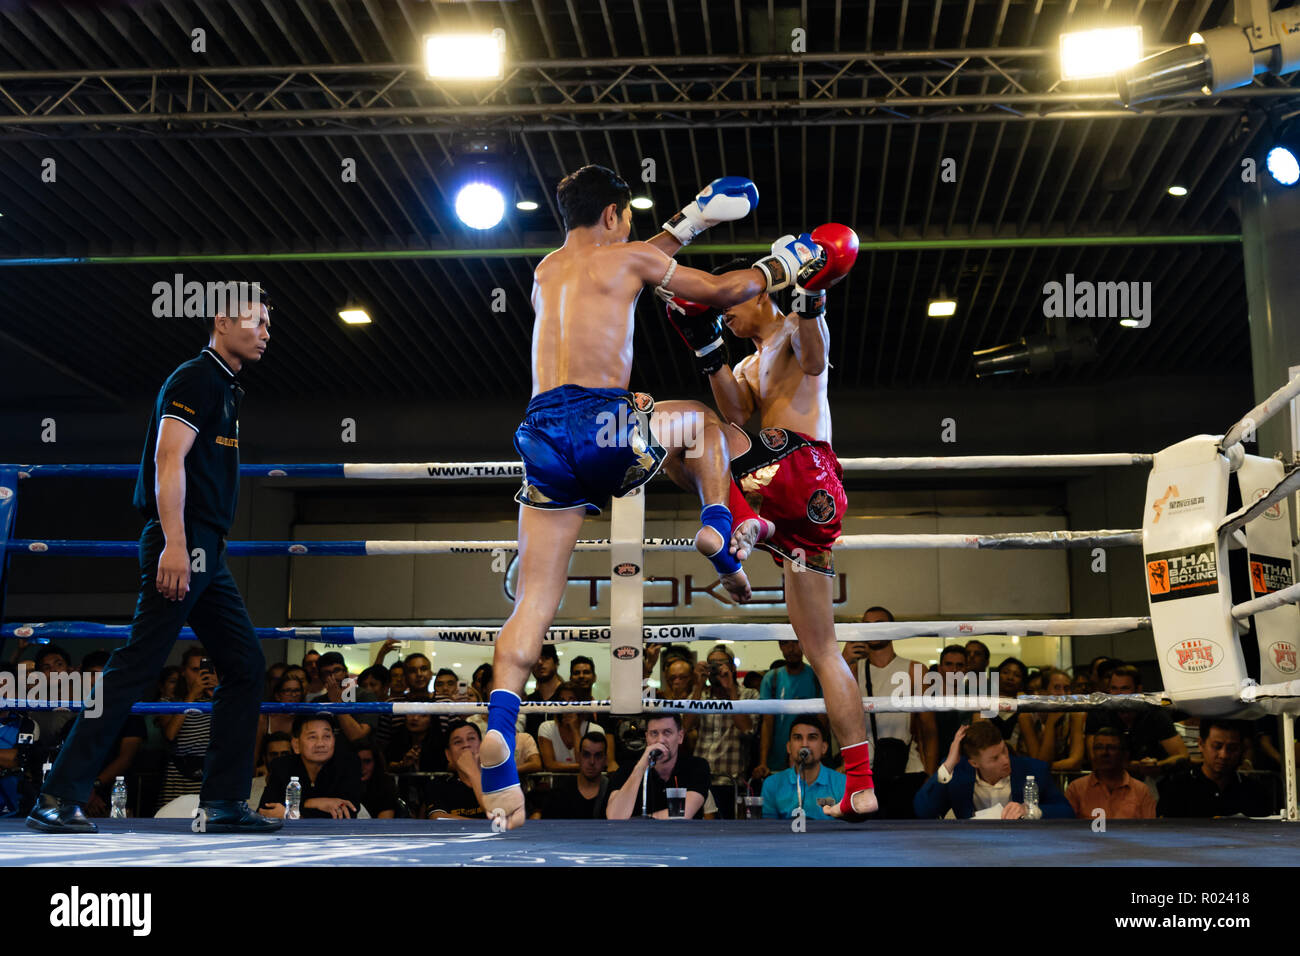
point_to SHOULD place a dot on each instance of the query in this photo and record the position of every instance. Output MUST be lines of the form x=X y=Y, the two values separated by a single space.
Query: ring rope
x=665 y=633
x=1020 y=540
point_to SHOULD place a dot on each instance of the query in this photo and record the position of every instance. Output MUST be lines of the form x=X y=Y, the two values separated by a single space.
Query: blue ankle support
x=718 y=517
x=503 y=711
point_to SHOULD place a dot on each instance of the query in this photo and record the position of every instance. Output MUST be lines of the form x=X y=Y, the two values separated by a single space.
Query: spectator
x=881 y=673
x=988 y=777
x=418 y=671
x=1110 y=787
x=16 y=790
x=275 y=746
x=1217 y=788
x=820 y=783
x=330 y=779
x=310 y=660
x=675 y=652
x=168 y=679
x=416 y=746
x=1082 y=682
x=663 y=736
x=122 y=756
x=374 y=682
x=1105 y=668
x=679 y=679
x=545 y=672
x=557 y=739
x=1034 y=684
x=378 y=794
x=1055 y=738
x=721 y=739
x=52 y=660
x=461 y=796
x=334 y=674
x=273 y=674
x=187 y=734
x=1099 y=680
x=397 y=680
x=753 y=680
x=582 y=675
x=1011 y=683
x=951 y=668
x=1155 y=745
x=481 y=682
x=446 y=685
x=583 y=796
x=977 y=657
x=289 y=689
x=794 y=680
x=629 y=732
x=296 y=670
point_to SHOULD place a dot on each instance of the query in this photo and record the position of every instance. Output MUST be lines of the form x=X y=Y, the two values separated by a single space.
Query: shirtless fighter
x=791 y=467
x=585 y=437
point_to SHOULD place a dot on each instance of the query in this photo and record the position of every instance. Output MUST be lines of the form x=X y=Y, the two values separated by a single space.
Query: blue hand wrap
x=718 y=517
x=503 y=711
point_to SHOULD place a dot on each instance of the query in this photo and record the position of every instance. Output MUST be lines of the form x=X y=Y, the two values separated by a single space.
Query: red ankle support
x=857 y=768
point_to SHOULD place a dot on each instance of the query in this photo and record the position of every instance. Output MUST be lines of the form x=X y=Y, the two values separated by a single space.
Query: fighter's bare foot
x=510 y=801
x=864 y=802
x=744 y=536
x=709 y=542
x=737 y=586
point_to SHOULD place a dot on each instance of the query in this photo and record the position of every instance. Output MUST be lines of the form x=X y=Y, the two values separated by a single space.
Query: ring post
x=626 y=532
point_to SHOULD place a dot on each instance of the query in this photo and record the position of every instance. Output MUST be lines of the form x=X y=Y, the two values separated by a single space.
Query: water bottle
x=1032 y=810
x=119 y=799
x=293 y=800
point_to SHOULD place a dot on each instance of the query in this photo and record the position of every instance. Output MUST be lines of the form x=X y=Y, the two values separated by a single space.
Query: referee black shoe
x=55 y=815
x=234 y=816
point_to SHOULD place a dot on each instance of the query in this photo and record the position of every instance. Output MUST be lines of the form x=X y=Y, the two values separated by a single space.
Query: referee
x=186 y=490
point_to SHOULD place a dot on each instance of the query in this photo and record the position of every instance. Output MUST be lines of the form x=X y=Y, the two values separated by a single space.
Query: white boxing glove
x=726 y=199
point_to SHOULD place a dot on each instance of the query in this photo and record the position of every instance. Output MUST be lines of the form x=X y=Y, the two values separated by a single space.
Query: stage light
x=1281 y=164
x=1090 y=53
x=465 y=56
x=480 y=206
x=642 y=202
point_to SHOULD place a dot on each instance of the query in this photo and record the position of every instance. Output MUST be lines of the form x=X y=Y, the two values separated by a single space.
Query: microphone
x=804 y=756
x=654 y=756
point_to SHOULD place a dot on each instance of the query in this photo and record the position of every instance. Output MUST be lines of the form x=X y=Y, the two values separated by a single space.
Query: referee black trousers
x=215 y=610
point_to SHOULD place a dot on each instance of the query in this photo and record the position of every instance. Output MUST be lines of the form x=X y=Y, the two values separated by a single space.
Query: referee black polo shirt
x=203 y=394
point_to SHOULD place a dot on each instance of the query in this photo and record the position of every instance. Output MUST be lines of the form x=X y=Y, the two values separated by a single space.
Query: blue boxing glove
x=793 y=259
x=726 y=199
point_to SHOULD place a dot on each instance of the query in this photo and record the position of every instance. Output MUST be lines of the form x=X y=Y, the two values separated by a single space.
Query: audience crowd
x=1123 y=764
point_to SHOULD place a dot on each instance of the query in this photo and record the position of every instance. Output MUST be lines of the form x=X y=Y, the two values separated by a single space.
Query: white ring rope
x=1286 y=486
x=1016 y=540
x=1288 y=595
x=1258 y=415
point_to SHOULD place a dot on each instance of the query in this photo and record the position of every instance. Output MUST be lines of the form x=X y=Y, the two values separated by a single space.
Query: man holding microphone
x=670 y=769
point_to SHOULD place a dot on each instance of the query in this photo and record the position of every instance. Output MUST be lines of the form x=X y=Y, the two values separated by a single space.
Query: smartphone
x=205 y=665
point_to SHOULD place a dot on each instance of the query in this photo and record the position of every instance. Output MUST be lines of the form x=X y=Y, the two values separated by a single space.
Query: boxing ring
x=1186 y=536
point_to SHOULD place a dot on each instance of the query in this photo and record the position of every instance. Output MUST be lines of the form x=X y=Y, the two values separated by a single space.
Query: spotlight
x=480 y=206
x=1092 y=53
x=526 y=205
x=642 y=202
x=1281 y=164
x=1038 y=353
x=1178 y=191
x=1220 y=59
x=465 y=56
x=355 y=316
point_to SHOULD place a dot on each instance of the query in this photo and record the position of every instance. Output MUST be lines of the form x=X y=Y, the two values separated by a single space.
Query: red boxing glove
x=839 y=245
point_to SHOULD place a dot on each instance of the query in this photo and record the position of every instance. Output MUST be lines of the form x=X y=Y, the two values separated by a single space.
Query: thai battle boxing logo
x=643 y=402
x=1284 y=656
x=1195 y=656
x=1274 y=511
x=821 y=507
x=774 y=439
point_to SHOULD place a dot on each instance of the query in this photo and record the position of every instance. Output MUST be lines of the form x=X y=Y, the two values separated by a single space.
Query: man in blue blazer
x=987 y=777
